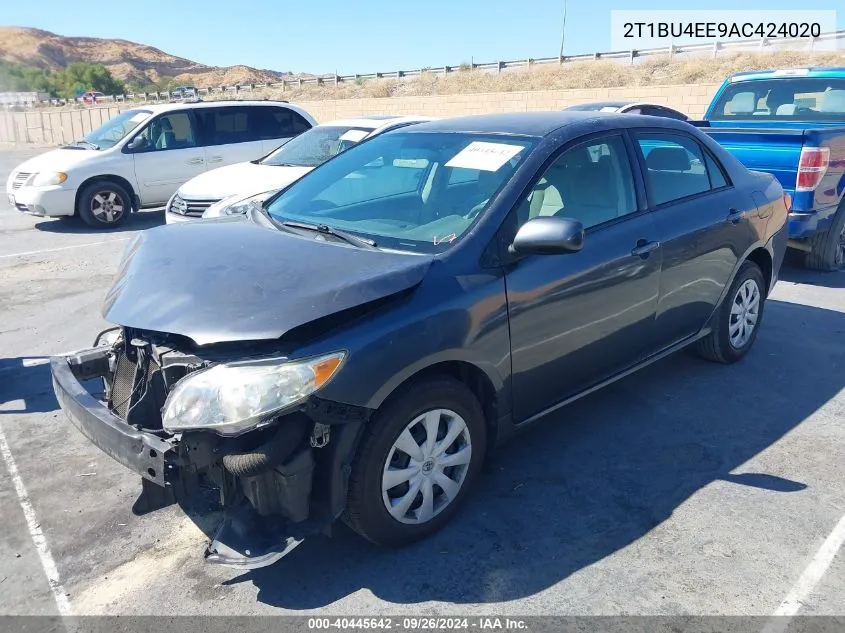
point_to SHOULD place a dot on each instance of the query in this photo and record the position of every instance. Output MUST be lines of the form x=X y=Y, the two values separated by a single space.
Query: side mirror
x=548 y=236
x=137 y=143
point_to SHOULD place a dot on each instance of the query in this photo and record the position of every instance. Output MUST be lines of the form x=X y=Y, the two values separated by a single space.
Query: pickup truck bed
x=790 y=123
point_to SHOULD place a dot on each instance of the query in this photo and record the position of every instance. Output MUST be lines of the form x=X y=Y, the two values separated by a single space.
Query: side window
x=591 y=182
x=224 y=126
x=284 y=123
x=717 y=176
x=169 y=131
x=675 y=166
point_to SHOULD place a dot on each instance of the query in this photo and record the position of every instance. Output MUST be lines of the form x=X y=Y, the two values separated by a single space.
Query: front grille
x=191 y=207
x=21 y=207
x=19 y=178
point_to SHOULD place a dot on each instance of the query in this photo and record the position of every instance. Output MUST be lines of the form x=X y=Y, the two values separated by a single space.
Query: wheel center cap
x=428 y=466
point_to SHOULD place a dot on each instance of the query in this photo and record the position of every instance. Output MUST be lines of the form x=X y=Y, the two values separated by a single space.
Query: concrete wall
x=52 y=127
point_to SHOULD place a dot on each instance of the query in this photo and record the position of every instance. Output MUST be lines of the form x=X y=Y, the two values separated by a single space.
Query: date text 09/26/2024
x=482 y=623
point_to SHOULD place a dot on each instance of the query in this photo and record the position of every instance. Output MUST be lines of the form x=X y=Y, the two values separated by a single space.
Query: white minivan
x=140 y=157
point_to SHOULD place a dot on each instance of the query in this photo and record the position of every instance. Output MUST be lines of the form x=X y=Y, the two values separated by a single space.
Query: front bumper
x=267 y=512
x=151 y=457
x=176 y=218
x=52 y=201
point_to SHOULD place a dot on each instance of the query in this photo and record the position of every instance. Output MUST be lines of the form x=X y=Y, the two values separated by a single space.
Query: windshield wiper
x=349 y=238
x=87 y=143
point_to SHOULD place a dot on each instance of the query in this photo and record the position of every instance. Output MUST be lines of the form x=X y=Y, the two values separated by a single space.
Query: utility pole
x=563 y=29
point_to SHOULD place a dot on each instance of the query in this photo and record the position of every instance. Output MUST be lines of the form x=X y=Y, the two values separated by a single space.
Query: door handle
x=644 y=248
x=196 y=161
x=734 y=215
x=215 y=159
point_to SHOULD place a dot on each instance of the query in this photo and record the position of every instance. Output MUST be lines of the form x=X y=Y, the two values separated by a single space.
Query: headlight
x=231 y=398
x=235 y=205
x=47 y=178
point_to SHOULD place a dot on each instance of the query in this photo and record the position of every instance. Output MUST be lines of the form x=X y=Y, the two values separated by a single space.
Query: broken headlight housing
x=232 y=398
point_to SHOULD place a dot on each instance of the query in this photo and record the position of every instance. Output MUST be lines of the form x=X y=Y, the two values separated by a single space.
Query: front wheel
x=738 y=319
x=104 y=205
x=418 y=457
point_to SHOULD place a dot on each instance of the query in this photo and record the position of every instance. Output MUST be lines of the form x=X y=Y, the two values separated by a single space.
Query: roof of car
x=182 y=105
x=539 y=123
x=375 y=122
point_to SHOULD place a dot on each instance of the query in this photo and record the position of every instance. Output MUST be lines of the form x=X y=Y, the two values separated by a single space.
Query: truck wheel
x=828 y=247
x=738 y=319
x=420 y=454
x=104 y=204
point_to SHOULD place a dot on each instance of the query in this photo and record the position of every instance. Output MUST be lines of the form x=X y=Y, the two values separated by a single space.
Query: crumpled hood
x=58 y=160
x=241 y=178
x=234 y=280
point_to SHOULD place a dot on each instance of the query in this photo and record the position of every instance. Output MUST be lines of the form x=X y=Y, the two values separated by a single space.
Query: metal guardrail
x=629 y=56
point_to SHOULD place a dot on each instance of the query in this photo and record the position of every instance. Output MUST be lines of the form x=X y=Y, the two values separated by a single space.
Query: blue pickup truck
x=791 y=123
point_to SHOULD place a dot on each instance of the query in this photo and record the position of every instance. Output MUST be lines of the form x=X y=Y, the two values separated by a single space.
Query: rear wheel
x=104 y=204
x=738 y=319
x=420 y=454
x=828 y=248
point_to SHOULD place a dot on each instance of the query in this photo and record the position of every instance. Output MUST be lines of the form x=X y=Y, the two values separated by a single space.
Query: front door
x=702 y=225
x=169 y=155
x=579 y=318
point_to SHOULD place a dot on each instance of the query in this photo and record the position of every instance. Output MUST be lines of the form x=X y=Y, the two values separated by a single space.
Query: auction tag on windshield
x=140 y=116
x=484 y=156
x=354 y=135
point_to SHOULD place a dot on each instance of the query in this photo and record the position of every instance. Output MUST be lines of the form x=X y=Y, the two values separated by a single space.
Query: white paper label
x=140 y=116
x=484 y=156
x=354 y=135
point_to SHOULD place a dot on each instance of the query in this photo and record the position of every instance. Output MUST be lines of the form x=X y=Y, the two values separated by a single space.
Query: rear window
x=796 y=99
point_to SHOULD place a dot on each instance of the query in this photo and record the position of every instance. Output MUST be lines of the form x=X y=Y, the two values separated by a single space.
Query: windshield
x=117 y=128
x=798 y=99
x=407 y=191
x=317 y=145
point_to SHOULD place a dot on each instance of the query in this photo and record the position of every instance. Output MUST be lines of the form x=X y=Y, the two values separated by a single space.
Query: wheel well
x=107 y=178
x=761 y=257
x=475 y=379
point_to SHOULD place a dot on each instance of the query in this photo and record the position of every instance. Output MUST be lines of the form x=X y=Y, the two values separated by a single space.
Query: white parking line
x=808 y=580
x=62 y=248
x=35 y=532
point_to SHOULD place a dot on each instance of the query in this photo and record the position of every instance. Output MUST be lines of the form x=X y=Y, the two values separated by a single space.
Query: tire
x=104 y=204
x=828 y=247
x=722 y=345
x=366 y=510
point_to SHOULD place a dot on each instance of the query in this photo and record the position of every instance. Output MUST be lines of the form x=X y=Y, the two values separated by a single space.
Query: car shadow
x=26 y=386
x=591 y=479
x=135 y=222
x=834 y=279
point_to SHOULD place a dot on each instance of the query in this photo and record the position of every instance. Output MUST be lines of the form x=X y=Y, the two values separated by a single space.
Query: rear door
x=231 y=134
x=170 y=154
x=579 y=318
x=702 y=224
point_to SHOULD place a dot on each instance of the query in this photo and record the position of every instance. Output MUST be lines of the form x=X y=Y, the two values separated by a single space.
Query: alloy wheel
x=107 y=206
x=426 y=466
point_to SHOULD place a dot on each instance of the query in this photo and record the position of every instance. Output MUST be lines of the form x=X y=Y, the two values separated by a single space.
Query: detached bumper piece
x=148 y=455
x=265 y=478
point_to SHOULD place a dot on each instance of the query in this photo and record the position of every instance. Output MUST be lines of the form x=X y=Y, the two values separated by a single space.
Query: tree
x=79 y=77
x=76 y=78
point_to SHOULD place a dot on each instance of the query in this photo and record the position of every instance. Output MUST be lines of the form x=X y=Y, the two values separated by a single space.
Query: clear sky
x=348 y=36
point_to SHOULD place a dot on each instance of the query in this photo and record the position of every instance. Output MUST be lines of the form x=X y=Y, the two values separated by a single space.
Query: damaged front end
x=187 y=420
